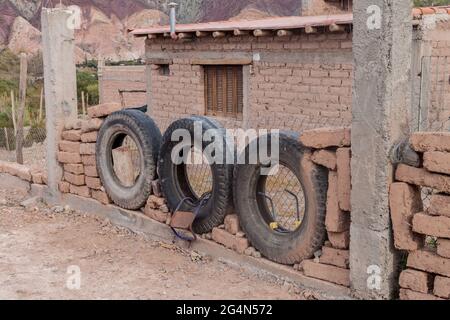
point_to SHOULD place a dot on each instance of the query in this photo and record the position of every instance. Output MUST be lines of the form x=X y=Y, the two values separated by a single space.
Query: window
x=224 y=90
x=164 y=70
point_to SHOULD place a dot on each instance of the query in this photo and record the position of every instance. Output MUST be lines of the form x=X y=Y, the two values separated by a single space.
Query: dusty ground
x=38 y=244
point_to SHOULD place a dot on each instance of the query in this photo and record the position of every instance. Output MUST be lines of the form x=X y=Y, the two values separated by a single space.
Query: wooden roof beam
x=262 y=33
x=284 y=33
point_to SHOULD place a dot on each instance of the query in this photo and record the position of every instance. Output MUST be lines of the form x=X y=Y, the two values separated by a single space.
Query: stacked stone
x=331 y=149
x=423 y=228
x=77 y=154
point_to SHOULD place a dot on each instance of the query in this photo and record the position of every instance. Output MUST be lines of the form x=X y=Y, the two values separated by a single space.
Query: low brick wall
x=420 y=209
x=32 y=175
x=332 y=151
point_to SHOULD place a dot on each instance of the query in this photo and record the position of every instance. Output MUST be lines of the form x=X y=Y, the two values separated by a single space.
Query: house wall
x=115 y=78
x=297 y=82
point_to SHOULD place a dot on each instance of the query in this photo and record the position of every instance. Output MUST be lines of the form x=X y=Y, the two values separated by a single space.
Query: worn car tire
x=147 y=137
x=175 y=185
x=254 y=214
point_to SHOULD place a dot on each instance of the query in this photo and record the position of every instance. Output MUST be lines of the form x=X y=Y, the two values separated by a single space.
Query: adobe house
x=287 y=73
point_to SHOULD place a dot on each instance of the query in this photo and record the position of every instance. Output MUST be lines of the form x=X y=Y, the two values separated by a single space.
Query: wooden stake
x=21 y=111
x=7 y=139
x=83 y=105
x=41 y=105
x=13 y=111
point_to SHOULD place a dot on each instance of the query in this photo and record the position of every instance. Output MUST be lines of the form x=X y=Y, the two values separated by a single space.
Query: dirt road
x=40 y=245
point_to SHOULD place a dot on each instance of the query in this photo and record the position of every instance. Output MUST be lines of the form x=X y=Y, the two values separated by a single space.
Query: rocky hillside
x=105 y=22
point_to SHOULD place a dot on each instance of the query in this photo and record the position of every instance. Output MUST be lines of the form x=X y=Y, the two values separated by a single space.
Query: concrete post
x=60 y=85
x=382 y=46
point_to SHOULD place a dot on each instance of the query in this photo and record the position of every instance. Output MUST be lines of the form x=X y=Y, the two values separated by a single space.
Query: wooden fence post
x=21 y=110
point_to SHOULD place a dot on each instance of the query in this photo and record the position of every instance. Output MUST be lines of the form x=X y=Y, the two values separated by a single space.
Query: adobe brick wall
x=331 y=148
x=422 y=228
x=115 y=78
x=301 y=81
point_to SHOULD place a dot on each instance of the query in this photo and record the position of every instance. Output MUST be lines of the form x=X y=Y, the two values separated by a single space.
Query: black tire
x=255 y=215
x=147 y=137
x=176 y=187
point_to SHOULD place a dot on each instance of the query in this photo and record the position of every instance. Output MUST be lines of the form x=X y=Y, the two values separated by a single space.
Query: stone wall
x=420 y=210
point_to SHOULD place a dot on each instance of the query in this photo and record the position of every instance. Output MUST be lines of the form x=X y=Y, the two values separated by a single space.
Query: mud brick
x=440 y=205
x=71 y=135
x=436 y=161
x=91 y=171
x=101 y=196
x=69 y=158
x=339 y=240
x=335 y=257
x=443 y=248
x=88 y=160
x=232 y=224
x=326 y=272
x=326 y=137
x=64 y=187
x=422 y=177
x=69 y=146
x=430 y=141
x=91 y=125
x=82 y=191
x=406 y=294
x=336 y=220
x=344 y=178
x=325 y=158
x=156 y=214
x=230 y=241
x=405 y=201
x=73 y=124
x=93 y=183
x=103 y=110
x=415 y=280
x=89 y=137
x=17 y=170
x=436 y=226
x=37 y=177
x=429 y=262
x=74 y=168
x=87 y=149
x=442 y=287
x=77 y=180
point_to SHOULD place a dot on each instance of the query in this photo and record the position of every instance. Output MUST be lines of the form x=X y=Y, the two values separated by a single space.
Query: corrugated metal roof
x=278 y=23
x=274 y=23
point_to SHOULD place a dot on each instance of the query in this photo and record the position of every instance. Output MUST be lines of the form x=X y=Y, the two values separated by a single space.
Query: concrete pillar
x=382 y=45
x=60 y=84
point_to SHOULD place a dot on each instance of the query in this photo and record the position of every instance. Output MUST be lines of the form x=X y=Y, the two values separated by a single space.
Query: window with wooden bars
x=224 y=90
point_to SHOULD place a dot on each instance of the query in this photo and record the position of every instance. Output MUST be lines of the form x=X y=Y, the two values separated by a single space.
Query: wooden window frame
x=214 y=95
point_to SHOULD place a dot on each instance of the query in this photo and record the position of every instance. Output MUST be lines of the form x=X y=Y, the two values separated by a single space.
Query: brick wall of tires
x=330 y=148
